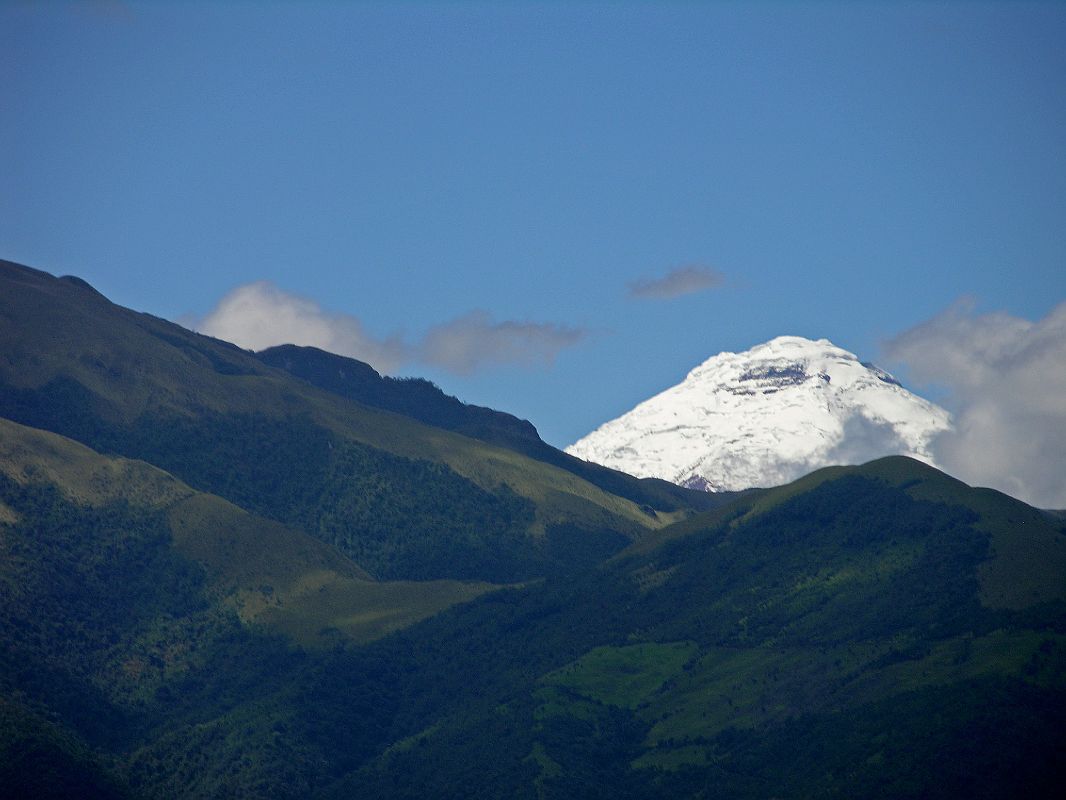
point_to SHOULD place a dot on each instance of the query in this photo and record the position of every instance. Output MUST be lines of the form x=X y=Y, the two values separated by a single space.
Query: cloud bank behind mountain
x=1006 y=378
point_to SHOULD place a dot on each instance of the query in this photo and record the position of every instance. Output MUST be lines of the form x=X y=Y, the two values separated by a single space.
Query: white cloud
x=863 y=440
x=1007 y=382
x=679 y=282
x=475 y=340
x=260 y=315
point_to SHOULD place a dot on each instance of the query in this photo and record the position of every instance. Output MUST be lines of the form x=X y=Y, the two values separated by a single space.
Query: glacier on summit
x=765 y=417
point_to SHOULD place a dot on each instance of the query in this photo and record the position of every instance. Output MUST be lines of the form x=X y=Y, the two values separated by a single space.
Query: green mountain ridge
x=420 y=399
x=193 y=599
x=130 y=384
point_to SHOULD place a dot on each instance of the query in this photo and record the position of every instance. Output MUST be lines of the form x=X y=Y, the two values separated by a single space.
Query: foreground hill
x=402 y=498
x=872 y=631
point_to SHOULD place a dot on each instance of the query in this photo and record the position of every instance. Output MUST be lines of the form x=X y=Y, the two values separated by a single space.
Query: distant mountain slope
x=405 y=499
x=766 y=416
x=422 y=400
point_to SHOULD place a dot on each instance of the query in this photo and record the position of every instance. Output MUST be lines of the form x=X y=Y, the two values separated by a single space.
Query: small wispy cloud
x=260 y=315
x=677 y=283
x=1007 y=382
x=475 y=340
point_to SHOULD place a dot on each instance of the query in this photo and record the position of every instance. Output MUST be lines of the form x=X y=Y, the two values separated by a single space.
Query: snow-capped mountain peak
x=766 y=416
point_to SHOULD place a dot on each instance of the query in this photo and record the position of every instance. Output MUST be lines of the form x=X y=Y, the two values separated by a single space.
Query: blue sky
x=475 y=193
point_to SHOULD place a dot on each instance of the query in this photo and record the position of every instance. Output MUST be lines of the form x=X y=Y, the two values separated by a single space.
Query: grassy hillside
x=405 y=499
